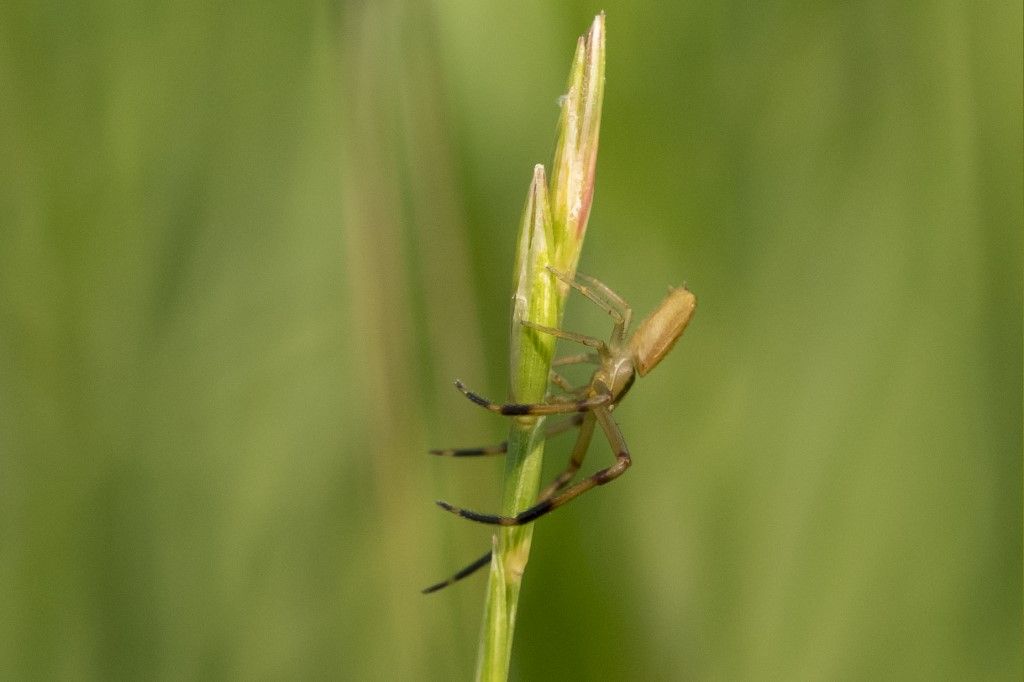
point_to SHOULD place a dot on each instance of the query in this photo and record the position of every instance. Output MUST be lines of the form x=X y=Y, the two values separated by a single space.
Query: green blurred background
x=245 y=248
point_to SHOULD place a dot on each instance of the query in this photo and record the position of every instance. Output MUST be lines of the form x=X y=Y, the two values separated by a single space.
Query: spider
x=618 y=362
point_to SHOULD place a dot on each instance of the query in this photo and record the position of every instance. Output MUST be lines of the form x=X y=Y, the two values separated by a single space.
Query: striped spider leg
x=583 y=421
x=618 y=361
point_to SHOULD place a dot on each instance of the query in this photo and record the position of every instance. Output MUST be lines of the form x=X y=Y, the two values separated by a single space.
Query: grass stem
x=551 y=233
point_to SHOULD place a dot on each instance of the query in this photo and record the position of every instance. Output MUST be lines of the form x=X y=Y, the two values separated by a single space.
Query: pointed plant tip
x=537 y=184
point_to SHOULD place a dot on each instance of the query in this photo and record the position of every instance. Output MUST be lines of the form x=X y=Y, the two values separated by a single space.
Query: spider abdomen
x=659 y=331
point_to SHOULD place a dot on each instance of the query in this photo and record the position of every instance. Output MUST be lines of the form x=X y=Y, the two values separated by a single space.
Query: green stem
x=536 y=298
x=551 y=233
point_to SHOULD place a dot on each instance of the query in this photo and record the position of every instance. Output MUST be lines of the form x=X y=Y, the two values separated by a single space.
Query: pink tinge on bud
x=574 y=171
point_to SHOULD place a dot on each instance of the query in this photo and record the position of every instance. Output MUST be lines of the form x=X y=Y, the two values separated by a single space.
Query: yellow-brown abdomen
x=659 y=331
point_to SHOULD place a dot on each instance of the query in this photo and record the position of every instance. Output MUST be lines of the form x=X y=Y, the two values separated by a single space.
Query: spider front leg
x=551 y=430
x=519 y=409
x=622 y=462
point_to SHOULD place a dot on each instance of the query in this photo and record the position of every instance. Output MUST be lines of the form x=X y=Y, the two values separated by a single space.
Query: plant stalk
x=551 y=234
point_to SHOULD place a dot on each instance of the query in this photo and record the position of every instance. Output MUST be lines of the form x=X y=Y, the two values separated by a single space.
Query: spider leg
x=580 y=359
x=603 y=296
x=600 y=345
x=501 y=448
x=560 y=381
x=579 y=451
x=496 y=449
x=572 y=394
x=622 y=462
x=586 y=422
x=460 y=574
x=508 y=409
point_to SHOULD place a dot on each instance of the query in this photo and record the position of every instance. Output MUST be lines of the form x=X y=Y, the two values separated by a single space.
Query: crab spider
x=618 y=362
